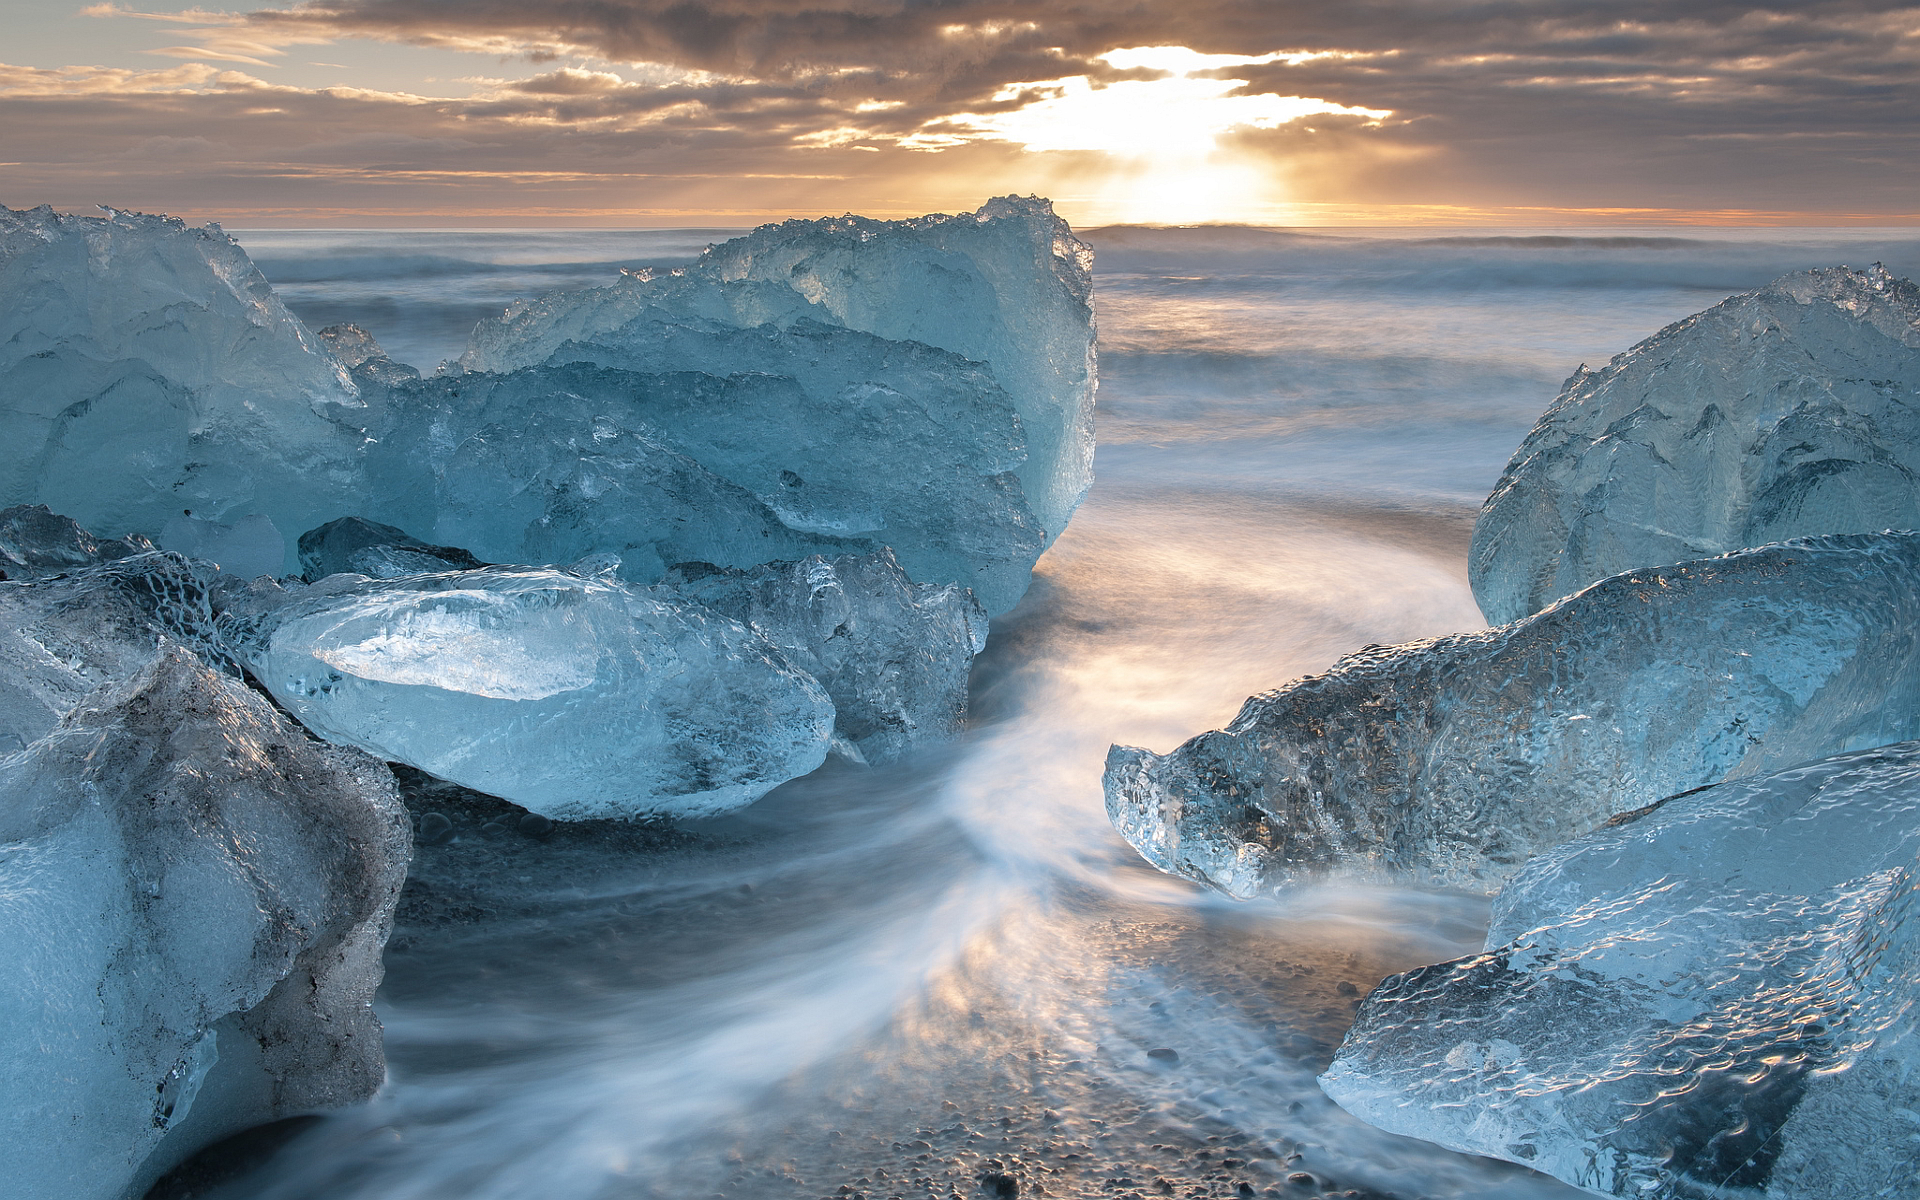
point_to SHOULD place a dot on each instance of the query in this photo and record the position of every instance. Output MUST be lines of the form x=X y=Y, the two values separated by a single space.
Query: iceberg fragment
x=1008 y=287
x=1452 y=761
x=574 y=697
x=361 y=353
x=196 y=899
x=355 y=545
x=147 y=367
x=1787 y=411
x=35 y=541
x=892 y=654
x=1713 y=996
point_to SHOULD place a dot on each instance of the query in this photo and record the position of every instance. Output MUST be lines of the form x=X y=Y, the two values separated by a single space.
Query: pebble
x=434 y=829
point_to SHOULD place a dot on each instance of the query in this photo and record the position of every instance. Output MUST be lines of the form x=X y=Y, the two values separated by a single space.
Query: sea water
x=950 y=976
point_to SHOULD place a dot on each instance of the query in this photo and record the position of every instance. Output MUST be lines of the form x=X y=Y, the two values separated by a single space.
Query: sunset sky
x=656 y=112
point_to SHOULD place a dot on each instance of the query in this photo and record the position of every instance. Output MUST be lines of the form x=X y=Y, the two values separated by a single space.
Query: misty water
x=951 y=976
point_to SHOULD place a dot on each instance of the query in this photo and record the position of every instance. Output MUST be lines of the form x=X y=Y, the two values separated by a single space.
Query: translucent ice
x=363 y=356
x=1712 y=997
x=147 y=368
x=574 y=697
x=354 y=545
x=196 y=899
x=893 y=654
x=1456 y=759
x=1788 y=411
x=1007 y=287
x=247 y=547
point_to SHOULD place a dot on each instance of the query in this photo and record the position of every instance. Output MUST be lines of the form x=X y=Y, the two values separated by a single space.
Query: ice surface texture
x=549 y=464
x=874 y=324
x=196 y=899
x=1717 y=993
x=1783 y=412
x=574 y=697
x=893 y=654
x=1456 y=759
x=147 y=368
x=353 y=545
x=36 y=542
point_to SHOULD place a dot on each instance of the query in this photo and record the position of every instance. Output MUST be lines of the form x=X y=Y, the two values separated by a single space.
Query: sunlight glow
x=1161 y=135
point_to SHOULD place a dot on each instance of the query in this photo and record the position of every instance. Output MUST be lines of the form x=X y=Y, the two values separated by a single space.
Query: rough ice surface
x=356 y=546
x=1788 y=411
x=147 y=368
x=892 y=654
x=574 y=697
x=65 y=636
x=361 y=353
x=196 y=900
x=1008 y=287
x=1452 y=761
x=36 y=542
x=1714 y=997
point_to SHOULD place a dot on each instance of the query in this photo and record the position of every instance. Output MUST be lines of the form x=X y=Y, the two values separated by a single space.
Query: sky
x=463 y=113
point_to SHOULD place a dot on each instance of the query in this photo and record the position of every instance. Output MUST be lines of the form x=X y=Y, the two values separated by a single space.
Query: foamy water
x=945 y=977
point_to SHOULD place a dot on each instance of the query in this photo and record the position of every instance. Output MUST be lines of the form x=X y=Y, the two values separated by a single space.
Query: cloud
x=1556 y=104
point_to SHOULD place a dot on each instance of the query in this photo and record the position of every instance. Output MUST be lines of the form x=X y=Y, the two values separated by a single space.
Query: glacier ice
x=1453 y=760
x=1713 y=996
x=196 y=899
x=1782 y=412
x=574 y=697
x=892 y=654
x=361 y=353
x=844 y=306
x=147 y=368
x=252 y=545
x=357 y=546
x=35 y=541
x=549 y=465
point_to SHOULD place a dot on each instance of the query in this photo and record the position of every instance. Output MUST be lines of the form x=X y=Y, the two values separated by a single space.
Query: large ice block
x=1008 y=287
x=1712 y=997
x=147 y=369
x=1787 y=411
x=575 y=697
x=196 y=898
x=893 y=654
x=1454 y=760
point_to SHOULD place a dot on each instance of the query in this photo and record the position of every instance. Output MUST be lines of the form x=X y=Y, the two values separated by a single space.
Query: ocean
x=945 y=977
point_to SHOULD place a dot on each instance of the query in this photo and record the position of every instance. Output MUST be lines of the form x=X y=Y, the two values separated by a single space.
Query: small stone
x=1346 y=989
x=1301 y=1179
x=434 y=829
x=535 y=825
x=1164 y=1054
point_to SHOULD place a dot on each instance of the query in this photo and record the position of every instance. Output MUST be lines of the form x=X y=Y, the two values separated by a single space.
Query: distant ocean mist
x=920 y=980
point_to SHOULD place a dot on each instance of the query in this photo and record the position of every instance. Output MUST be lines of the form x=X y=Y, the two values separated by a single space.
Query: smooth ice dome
x=1454 y=760
x=196 y=899
x=1788 y=411
x=147 y=368
x=859 y=312
x=574 y=697
x=893 y=654
x=1712 y=997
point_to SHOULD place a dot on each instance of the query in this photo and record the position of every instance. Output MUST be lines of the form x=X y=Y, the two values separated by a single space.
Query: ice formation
x=892 y=654
x=1714 y=996
x=858 y=312
x=147 y=368
x=1787 y=411
x=548 y=464
x=197 y=896
x=574 y=697
x=1453 y=760
x=354 y=545
x=361 y=353
x=35 y=541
